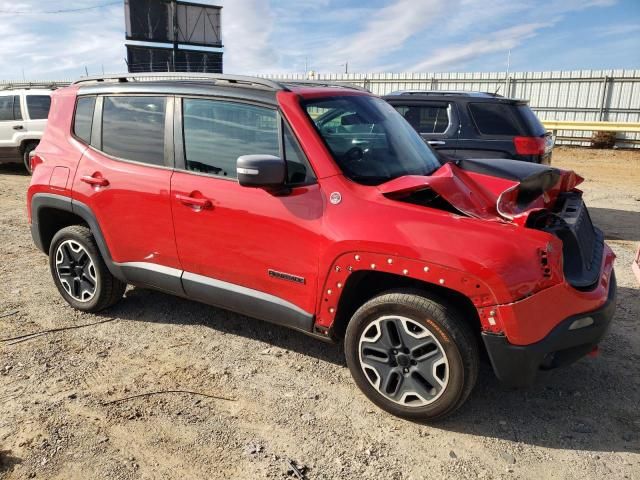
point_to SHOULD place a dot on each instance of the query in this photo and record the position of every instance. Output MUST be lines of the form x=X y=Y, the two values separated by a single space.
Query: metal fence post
x=605 y=90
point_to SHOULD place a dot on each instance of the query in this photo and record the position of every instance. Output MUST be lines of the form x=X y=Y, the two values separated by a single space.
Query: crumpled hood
x=490 y=189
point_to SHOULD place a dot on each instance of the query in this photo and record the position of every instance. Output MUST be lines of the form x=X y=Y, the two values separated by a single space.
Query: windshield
x=369 y=140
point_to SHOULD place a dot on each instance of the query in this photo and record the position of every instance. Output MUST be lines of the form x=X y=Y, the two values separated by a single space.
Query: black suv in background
x=475 y=124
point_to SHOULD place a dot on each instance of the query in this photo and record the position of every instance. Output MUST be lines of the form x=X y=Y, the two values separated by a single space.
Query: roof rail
x=32 y=85
x=322 y=83
x=151 y=76
x=467 y=93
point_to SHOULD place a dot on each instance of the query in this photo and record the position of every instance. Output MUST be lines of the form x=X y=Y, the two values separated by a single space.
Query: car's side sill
x=229 y=296
x=246 y=301
x=152 y=275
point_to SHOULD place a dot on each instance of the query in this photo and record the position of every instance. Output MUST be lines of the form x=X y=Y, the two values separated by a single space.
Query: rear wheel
x=29 y=147
x=80 y=273
x=411 y=355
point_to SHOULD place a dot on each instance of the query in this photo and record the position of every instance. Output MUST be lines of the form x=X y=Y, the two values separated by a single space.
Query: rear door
x=436 y=122
x=124 y=179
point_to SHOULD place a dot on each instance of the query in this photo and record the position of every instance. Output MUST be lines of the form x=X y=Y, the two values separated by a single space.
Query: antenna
x=506 y=74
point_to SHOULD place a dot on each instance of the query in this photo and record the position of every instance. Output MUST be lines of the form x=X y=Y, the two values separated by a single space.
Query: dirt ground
x=290 y=397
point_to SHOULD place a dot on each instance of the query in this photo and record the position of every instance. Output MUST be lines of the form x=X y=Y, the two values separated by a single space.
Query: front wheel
x=412 y=355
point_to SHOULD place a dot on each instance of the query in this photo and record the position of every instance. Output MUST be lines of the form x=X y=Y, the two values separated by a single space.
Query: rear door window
x=133 y=128
x=17 y=111
x=38 y=106
x=426 y=119
x=495 y=119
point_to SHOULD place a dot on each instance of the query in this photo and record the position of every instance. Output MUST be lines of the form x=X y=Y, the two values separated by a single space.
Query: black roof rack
x=464 y=93
x=240 y=80
x=322 y=83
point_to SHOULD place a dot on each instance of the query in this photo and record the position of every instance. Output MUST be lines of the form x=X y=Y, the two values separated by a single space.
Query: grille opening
x=582 y=243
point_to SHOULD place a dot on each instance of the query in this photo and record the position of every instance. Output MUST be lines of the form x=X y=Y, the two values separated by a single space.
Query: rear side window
x=10 y=108
x=216 y=133
x=533 y=123
x=84 y=118
x=133 y=128
x=38 y=106
x=495 y=119
x=426 y=118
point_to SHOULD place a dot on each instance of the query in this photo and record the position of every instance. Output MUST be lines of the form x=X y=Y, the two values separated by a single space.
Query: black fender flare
x=41 y=201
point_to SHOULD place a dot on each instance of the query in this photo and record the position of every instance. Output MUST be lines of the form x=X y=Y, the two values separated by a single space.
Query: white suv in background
x=23 y=117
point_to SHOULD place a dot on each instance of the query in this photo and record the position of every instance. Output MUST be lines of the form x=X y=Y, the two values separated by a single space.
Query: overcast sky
x=279 y=36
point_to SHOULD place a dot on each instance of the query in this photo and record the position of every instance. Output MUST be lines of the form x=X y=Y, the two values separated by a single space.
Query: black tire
x=107 y=289
x=455 y=361
x=29 y=147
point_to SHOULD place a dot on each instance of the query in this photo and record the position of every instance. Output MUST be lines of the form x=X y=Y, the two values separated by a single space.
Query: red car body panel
x=234 y=243
x=238 y=234
x=58 y=149
x=531 y=319
x=133 y=209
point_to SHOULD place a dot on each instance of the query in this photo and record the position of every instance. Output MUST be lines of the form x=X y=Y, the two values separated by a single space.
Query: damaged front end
x=526 y=194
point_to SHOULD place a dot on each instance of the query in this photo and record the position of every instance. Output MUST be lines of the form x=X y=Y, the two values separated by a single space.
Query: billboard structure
x=157 y=59
x=176 y=23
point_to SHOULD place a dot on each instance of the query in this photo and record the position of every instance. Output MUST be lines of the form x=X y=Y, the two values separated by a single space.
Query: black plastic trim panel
x=246 y=301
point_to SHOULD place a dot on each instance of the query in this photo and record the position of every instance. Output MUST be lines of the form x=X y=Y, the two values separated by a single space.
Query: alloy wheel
x=403 y=361
x=76 y=271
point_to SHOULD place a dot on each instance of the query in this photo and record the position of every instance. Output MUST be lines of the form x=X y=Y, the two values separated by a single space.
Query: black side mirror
x=262 y=171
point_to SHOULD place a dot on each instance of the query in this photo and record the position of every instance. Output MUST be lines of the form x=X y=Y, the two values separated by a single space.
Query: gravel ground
x=288 y=396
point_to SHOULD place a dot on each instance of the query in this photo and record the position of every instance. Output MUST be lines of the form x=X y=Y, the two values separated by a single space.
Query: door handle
x=436 y=142
x=193 y=201
x=96 y=181
x=18 y=127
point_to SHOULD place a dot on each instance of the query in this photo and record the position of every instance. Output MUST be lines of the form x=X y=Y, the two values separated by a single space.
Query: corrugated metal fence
x=581 y=95
x=588 y=95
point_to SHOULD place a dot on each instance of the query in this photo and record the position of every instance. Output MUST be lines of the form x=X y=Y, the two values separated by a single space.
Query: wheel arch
x=50 y=213
x=355 y=278
x=26 y=141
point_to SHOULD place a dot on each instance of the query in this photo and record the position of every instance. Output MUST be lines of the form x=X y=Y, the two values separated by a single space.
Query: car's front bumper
x=517 y=365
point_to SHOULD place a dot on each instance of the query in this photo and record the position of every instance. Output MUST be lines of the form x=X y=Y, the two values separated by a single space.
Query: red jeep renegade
x=320 y=208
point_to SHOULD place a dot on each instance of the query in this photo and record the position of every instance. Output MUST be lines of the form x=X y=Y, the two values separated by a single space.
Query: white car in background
x=23 y=117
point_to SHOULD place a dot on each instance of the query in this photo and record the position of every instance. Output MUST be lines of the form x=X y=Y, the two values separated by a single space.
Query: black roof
x=448 y=95
x=232 y=86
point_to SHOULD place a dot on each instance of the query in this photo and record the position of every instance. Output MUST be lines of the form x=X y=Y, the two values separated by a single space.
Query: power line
x=50 y=12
